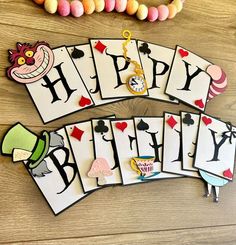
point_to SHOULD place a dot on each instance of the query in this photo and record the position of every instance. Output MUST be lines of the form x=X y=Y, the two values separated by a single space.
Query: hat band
x=38 y=151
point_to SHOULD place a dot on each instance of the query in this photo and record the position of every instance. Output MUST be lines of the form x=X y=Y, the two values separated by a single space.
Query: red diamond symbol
x=77 y=133
x=100 y=47
x=171 y=122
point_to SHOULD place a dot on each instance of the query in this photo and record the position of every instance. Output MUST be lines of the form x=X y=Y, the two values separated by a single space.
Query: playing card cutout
x=83 y=60
x=172 y=147
x=30 y=62
x=112 y=69
x=215 y=147
x=188 y=80
x=150 y=143
x=62 y=88
x=156 y=61
x=51 y=164
x=189 y=129
x=126 y=149
x=104 y=146
x=219 y=81
x=100 y=169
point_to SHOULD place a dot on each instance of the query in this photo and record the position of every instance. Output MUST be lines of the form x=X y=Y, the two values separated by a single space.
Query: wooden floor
x=162 y=212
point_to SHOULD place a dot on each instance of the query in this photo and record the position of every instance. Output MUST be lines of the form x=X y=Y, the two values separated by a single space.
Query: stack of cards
x=72 y=162
x=77 y=77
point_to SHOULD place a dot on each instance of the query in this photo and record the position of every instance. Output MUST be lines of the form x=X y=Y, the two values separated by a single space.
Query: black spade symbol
x=144 y=49
x=101 y=127
x=142 y=125
x=76 y=54
x=188 y=119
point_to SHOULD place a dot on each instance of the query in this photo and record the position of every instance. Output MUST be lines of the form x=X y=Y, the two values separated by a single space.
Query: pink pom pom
x=63 y=8
x=120 y=5
x=109 y=5
x=76 y=8
x=163 y=12
x=152 y=14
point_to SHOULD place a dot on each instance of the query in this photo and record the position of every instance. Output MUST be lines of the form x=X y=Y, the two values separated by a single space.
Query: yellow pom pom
x=172 y=11
x=142 y=12
x=178 y=4
x=51 y=6
x=89 y=6
x=99 y=5
x=132 y=7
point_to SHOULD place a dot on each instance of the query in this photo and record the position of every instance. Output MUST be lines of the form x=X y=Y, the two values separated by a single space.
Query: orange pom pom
x=132 y=7
x=172 y=11
x=39 y=1
x=89 y=6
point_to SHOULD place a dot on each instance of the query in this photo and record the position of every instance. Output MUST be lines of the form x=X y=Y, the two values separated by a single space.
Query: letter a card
x=83 y=60
x=113 y=70
x=125 y=140
x=188 y=80
x=156 y=61
x=106 y=164
x=61 y=91
x=189 y=129
x=216 y=146
x=172 y=146
x=80 y=137
x=149 y=132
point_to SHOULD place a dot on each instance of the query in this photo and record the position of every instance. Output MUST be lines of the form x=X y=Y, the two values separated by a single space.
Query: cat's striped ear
x=18 y=46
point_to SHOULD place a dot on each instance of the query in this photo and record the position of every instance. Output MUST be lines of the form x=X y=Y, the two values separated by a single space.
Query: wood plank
x=160 y=205
x=201 y=236
x=209 y=25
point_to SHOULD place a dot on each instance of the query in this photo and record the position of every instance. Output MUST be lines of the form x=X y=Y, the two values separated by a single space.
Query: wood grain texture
x=161 y=212
x=200 y=236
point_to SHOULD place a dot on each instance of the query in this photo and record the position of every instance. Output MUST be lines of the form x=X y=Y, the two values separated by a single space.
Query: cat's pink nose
x=30 y=61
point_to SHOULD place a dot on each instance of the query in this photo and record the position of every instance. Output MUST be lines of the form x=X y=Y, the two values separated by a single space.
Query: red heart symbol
x=227 y=173
x=84 y=101
x=206 y=120
x=199 y=103
x=183 y=53
x=121 y=126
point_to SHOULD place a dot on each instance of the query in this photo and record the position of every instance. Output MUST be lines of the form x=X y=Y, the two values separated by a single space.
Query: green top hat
x=19 y=137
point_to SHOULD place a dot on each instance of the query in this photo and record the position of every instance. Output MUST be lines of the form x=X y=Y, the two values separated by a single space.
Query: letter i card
x=61 y=91
x=216 y=145
x=113 y=70
x=188 y=80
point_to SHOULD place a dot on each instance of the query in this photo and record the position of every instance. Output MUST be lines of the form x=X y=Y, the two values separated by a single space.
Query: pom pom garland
x=132 y=7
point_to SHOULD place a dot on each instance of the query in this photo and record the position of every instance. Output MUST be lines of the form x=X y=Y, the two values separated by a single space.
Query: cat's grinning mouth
x=38 y=71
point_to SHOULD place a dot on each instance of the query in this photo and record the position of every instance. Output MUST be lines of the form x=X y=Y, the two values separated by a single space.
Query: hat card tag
x=82 y=58
x=149 y=133
x=156 y=61
x=188 y=80
x=51 y=164
x=20 y=155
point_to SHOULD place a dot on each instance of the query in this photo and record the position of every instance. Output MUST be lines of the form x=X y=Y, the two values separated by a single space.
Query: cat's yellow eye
x=21 y=61
x=29 y=53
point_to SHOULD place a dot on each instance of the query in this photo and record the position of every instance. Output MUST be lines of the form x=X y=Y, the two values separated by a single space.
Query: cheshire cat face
x=30 y=62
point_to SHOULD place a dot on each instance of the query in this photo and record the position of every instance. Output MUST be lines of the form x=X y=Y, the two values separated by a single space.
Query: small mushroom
x=100 y=169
